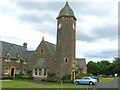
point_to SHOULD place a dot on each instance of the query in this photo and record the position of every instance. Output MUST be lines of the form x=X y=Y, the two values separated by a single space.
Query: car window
x=86 y=78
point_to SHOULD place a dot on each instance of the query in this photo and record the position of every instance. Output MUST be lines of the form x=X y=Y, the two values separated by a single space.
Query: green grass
x=62 y=87
x=59 y=86
x=15 y=83
x=105 y=80
x=24 y=84
x=0 y=83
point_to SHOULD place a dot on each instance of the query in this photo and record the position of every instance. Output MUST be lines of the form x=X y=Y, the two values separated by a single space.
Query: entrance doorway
x=12 y=72
x=73 y=75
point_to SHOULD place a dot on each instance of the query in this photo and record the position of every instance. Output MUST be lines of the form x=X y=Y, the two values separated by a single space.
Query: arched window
x=66 y=60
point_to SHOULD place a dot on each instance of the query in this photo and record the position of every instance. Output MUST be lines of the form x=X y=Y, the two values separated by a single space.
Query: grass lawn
x=62 y=86
x=105 y=80
x=15 y=83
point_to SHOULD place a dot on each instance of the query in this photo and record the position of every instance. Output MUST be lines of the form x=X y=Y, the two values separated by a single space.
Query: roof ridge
x=11 y=43
x=49 y=42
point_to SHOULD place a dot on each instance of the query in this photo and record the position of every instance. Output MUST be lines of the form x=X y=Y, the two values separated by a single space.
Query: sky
x=30 y=20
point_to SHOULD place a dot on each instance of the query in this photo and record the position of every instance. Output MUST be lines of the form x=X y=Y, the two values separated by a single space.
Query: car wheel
x=90 y=83
x=76 y=82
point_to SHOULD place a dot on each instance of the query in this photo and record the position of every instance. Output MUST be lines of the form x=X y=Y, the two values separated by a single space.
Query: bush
x=81 y=75
x=7 y=77
x=67 y=81
x=66 y=77
x=49 y=80
x=22 y=76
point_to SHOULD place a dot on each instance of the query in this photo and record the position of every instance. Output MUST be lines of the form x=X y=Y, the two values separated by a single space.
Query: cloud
x=84 y=37
x=103 y=53
x=54 y=6
x=29 y=21
x=107 y=31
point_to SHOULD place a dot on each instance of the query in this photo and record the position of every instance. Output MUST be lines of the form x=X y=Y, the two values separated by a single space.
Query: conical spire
x=66 y=11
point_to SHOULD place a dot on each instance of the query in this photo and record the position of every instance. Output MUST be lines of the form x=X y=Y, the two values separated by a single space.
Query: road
x=114 y=85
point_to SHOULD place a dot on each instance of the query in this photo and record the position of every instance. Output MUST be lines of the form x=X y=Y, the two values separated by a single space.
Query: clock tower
x=65 y=47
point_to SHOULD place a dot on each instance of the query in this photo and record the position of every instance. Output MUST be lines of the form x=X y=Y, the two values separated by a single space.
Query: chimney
x=25 y=44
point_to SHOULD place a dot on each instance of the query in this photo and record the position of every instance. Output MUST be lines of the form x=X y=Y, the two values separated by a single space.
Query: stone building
x=47 y=58
x=14 y=58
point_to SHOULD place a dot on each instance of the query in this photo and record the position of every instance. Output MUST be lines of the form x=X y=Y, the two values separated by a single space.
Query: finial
x=66 y=1
x=42 y=38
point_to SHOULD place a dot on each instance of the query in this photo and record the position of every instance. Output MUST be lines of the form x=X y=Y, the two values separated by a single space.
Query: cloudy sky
x=96 y=32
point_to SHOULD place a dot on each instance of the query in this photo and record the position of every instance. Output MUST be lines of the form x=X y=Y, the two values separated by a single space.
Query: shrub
x=66 y=77
x=49 y=80
x=51 y=75
x=67 y=81
x=7 y=77
x=81 y=75
x=22 y=76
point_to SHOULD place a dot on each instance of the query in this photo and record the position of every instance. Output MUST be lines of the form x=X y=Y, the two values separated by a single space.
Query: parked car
x=86 y=80
x=95 y=77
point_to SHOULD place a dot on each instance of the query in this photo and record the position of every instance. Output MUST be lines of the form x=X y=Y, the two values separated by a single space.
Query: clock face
x=59 y=26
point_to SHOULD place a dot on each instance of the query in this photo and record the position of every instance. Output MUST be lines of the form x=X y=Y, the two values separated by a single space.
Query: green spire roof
x=66 y=11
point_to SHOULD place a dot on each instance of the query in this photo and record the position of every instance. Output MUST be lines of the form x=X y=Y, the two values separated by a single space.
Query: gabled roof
x=66 y=11
x=14 y=50
x=40 y=63
x=51 y=47
x=81 y=62
x=29 y=54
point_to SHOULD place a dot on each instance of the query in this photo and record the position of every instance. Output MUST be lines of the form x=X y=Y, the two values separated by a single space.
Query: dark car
x=95 y=77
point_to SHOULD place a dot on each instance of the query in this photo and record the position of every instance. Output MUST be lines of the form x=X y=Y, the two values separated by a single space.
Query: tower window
x=66 y=60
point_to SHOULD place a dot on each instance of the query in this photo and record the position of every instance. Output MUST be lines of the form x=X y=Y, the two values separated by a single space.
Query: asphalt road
x=114 y=85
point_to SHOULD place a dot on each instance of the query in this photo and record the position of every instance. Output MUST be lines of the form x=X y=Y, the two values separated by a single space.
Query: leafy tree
x=116 y=64
x=92 y=68
x=104 y=67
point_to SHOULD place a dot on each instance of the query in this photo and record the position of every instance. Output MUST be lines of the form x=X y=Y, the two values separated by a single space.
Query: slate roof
x=51 y=47
x=40 y=63
x=29 y=54
x=66 y=11
x=81 y=62
x=14 y=50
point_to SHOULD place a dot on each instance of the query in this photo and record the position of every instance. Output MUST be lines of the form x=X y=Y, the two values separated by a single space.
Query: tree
x=92 y=68
x=103 y=67
x=116 y=64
